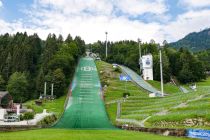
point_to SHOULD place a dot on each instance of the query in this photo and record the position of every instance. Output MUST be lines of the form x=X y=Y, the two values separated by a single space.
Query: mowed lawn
x=55 y=106
x=65 y=134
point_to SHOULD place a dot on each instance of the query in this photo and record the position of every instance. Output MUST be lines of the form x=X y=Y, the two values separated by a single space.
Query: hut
x=5 y=99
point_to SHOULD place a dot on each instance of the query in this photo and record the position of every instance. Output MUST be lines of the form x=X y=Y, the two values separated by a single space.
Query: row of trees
x=181 y=63
x=26 y=62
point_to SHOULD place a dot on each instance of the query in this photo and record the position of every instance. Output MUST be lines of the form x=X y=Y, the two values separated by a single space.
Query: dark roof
x=3 y=93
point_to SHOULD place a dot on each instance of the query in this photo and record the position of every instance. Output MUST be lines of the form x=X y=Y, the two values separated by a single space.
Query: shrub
x=103 y=83
x=125 y=94
x=117 y=69
x=48 y=120
x=27 y=116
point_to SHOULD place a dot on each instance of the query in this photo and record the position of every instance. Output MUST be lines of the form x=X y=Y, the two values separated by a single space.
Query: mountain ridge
x=195 y=41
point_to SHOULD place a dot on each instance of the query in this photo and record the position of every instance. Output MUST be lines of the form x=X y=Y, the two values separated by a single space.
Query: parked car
x=98 y=58
x=12 y=118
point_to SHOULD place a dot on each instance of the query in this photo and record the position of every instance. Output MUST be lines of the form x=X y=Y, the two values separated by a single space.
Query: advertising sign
x=199 y=134
x=125 y=78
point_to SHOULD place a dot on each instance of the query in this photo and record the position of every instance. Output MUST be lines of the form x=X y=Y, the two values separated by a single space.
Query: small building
x=3 y=112
x=5 y=99
x=147 y=67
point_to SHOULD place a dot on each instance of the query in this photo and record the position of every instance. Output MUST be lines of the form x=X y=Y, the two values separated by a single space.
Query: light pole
x=106 y=43
x=161 y=69
x=139 y=41
x=52 y=86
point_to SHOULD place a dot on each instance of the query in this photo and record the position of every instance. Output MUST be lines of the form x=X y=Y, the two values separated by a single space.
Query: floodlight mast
x=45 y=89
x=52 y=86
x=161 y=66
x=106 y=43
x=139 y=41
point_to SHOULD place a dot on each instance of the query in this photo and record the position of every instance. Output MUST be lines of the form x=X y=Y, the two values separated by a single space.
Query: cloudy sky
x=90 y=19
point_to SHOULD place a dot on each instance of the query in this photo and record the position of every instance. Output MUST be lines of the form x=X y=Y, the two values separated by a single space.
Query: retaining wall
x=160 y=131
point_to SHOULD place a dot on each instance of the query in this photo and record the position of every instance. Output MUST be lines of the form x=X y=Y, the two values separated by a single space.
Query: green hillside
x=175 y=110
x=195 y=41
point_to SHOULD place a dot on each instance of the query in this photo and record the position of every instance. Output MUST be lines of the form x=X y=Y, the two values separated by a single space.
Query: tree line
x=26 y=62
x=181 y=64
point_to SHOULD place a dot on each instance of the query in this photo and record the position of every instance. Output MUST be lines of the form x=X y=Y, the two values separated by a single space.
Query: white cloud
x=195 y=3
x=191 y=21
x=107 y=7
x=139 y=7
x=90 y=19
x=78 y=6
x=9 y=27
x=69 y=16
x=1 y=4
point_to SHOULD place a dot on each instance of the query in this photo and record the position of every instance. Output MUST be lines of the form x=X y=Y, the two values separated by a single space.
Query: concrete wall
x=2 y=113
x=160 y=131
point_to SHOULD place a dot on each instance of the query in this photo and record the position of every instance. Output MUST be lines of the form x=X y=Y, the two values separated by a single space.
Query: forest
x=26 y=62
x=180 y=64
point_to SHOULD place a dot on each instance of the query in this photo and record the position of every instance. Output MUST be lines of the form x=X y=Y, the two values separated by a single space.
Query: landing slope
x=85 y=108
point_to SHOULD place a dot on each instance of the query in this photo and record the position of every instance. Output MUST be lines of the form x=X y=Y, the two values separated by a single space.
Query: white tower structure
x=147 y=67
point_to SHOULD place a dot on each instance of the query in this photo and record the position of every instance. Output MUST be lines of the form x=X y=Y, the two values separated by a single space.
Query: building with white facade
x=147 y=67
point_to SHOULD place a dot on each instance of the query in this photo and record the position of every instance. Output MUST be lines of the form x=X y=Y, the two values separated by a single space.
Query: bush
x=48 y=120
x=27 y=116
x=117 y=69
x=103 y=83
x=125 y=94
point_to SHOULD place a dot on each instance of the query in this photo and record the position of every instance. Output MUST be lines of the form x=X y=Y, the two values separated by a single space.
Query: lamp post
x=139 y=41
x=161 y=69
x=106 y=43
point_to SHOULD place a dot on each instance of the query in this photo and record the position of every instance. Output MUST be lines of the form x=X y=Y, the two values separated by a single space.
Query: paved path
x=184 y=90
x=37 y=118
x=138 y=123
x=138 y=79
x=85 y=108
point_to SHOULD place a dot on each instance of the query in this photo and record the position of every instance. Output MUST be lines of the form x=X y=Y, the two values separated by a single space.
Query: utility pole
x=139 y=41
x=106 y=43
x=161 y=69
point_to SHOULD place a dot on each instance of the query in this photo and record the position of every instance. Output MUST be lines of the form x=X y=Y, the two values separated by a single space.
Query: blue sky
x=122 y=19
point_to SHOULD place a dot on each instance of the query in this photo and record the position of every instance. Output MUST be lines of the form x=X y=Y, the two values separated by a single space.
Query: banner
x=199 y=134
x=125 y=78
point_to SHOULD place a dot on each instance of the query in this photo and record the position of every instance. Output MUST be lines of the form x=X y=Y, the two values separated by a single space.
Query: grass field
x=56 y=106
x=115 y=88
x=65 y=134
x=168 y=87
x=170 y=111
